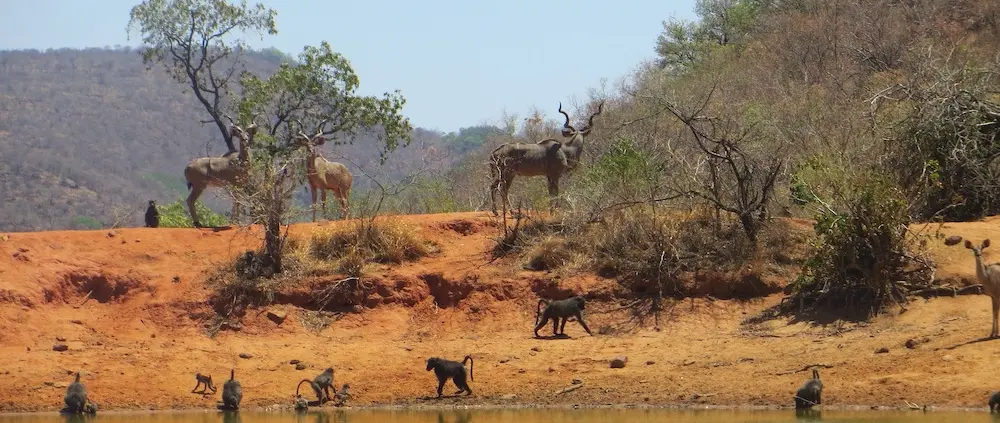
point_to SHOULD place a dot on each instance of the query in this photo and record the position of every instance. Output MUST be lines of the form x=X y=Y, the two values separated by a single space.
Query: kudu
x=548 y=157
x=989 y=276
x=204 y=172
x=324 y=175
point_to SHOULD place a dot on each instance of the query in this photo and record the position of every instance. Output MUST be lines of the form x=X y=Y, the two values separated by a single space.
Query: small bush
x=175 y=215
x=246 y=282
x=380 y=241
x=864 y=257
x=551 y=253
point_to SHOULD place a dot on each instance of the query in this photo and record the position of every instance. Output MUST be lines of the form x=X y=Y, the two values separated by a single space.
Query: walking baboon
x=203 y=380
x=76 y=397
x=995 y=402
x=811 y=393
x=232 y=392
x=560 y=309
x=445 y=369
x=321 y=385
x=152 y=215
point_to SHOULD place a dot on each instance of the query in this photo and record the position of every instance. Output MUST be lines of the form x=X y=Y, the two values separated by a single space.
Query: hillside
x=88 y=136
x=148 y=307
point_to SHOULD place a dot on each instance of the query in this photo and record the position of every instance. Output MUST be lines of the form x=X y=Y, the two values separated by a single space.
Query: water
x=515 y=416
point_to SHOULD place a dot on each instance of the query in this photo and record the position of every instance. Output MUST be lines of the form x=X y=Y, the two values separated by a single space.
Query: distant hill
x=89 y=135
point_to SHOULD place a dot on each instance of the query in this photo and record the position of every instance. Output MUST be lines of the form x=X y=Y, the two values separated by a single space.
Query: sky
x=459 y=63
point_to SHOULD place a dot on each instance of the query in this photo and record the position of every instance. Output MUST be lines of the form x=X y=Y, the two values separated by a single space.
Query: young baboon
x=152 y=215
x=445 y=369
x=342 y=396
x=203 y=380
x=232 y=392
x=995 y=402
x=321 y=385
x=560 y=309
x=810 y=394
x=300 y=403
x=76 y=397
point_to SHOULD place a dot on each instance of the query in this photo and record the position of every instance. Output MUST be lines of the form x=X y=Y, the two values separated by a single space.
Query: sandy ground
x=144 y=327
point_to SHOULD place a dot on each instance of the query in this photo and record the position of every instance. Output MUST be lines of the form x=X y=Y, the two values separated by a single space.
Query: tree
x=188 y=38
x=721 y=22
x=319 y=90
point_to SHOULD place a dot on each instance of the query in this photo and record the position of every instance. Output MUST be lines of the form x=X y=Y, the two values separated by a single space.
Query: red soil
x=148 y=307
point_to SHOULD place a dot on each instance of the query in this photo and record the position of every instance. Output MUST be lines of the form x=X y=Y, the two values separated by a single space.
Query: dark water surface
x=516 y=416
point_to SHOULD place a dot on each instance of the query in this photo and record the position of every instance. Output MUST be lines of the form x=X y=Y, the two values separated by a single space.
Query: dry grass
x=380 y=241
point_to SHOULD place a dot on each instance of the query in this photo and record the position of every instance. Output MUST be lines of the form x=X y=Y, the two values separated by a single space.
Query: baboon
x=300 y=403
x=560 y=309
x=152 y=215
x=321 y=385
x=343 y=395
x=445 y=369
x=203 y=380
x=995 y=402
x=232 y=392
x=810 y=394
x=76 y=397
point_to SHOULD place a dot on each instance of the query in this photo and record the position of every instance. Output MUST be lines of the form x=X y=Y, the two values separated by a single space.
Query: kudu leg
x=312 y=191
x=996 y=310
x=506 y=194
x=553 y=193
x=191 y=200
x=323 y=193
x=345 y=205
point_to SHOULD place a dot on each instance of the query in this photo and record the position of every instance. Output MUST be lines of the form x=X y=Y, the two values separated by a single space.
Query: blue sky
x=458 y=63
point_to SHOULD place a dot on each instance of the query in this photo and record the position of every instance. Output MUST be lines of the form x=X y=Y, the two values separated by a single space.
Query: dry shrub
x=381 y=241
x=552 y=252
x=525 y=233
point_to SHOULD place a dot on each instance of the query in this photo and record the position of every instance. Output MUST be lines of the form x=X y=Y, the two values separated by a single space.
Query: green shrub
x=864 y=257
x=175 y=215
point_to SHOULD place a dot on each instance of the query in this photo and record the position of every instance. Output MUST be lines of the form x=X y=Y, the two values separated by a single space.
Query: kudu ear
x=319 y=140
x=568 y=132
x=986 y=243
x=968 y=244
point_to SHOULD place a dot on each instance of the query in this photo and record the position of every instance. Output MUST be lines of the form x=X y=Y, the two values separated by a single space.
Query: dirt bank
x=145 y=322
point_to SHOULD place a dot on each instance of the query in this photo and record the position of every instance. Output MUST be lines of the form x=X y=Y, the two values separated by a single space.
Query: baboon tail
x=471 y=363
x=190 y=186
x=300 y=385
x=538 y=310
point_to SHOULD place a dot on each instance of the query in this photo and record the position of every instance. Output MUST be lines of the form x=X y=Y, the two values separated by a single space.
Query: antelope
x=324 y=175
x=547 y=157
x=989 y=276
x=204 y=172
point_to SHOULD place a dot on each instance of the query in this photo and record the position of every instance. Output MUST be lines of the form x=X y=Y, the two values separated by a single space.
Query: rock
x=294 y=362
x=60 y=339
x=49 y=383
x=619 y=362
x=233 y=326
x=913 y=343
x=76 y=322
x=504 y=360
x=650 y=362
x=882 y=350
x=508 y=397
x=300 y=366
x=688 y=362
x=551 y=369
x=276 y=316
x=246 y=355
x=577 y=381
x=536 y=349
x=408 y=348
x=112 y=234
x=60 y=347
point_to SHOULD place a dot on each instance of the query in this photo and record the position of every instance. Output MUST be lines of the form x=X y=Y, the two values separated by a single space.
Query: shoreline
x=501 y=407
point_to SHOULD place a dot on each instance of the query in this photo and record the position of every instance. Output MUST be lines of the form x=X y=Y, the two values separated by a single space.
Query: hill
x=88 y=136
